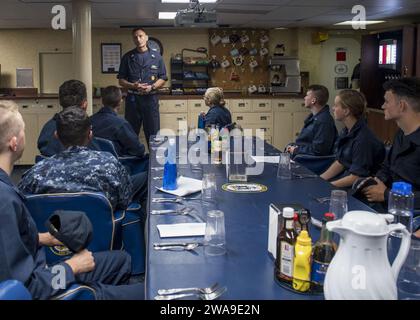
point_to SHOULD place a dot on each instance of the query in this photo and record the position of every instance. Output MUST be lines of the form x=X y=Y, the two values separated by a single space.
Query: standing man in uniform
x=142 y=72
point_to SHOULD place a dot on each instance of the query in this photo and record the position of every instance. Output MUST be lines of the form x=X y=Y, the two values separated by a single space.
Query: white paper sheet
x=267 y=159
x=186 y=186
x=181 y=230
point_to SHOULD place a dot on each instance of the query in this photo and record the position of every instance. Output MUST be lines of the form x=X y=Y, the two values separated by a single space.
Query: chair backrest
x=98 y=144
x=101 y=144
x=97 y=208
x=14 y=290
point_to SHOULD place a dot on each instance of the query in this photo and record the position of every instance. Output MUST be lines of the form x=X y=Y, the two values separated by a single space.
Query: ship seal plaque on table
x=244 y=187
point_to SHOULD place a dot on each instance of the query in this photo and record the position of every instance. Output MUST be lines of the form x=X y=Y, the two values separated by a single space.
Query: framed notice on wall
x=110 y=57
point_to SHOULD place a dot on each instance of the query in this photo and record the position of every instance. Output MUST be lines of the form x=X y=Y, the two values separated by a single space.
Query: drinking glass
x=338 y=203
x=409 y=277
x=236 y=166
x=208 y=192
x=284 y=170
x=214 y=239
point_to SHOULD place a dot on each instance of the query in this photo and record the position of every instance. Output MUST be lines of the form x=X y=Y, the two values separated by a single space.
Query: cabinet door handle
x=241 y=105
x=239 y=118
x=263 y=118
x=280 y=105
x=262 y=105
x=197 y=105
x=179 y=119
x=50 y=106
x=25 y=106
x=178 y=105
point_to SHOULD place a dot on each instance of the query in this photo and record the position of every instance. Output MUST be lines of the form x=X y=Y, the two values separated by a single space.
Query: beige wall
x=21 y=48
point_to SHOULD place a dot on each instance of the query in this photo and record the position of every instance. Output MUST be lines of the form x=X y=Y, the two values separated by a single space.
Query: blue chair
x=133 y=164
x=77 y=292
x=15 y=290
x=111 y=230
x=317 y=164
x=107 y=225
x=134 y=238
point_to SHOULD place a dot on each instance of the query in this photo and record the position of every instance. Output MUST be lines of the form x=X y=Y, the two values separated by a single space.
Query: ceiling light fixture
x=167 y=15
x=358 y=23
x=188 y=1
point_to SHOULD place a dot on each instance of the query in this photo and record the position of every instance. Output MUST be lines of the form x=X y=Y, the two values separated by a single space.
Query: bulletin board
x=240 y=47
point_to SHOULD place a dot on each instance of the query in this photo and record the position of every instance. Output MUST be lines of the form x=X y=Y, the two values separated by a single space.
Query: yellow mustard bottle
x=302 y=262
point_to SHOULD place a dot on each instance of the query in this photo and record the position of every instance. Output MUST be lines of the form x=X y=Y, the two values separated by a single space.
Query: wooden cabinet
x=240 y=105
x=195 y=107
x=35 y=114
x=281 y=119
x=298 y=122
x=283 y=129
x=289 y=117
x=31 y=134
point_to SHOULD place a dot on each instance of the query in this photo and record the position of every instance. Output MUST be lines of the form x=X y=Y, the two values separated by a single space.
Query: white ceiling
x=238 y=13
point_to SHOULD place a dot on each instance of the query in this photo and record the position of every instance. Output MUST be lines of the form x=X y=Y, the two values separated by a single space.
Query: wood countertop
x=169 y=97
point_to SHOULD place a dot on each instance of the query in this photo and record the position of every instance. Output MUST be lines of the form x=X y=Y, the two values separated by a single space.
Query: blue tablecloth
x=247 y=269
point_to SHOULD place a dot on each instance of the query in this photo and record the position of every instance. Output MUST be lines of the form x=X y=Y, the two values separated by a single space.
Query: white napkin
x=267 y=159
x=181 y=230
x=186 y=186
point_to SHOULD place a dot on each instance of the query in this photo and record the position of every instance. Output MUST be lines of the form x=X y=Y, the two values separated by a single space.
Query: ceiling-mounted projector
x=196 y=16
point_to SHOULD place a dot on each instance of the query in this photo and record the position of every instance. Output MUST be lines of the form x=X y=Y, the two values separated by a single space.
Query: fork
x=211 y=289
x=188 y=247
x=186 y=211
x=202 y=296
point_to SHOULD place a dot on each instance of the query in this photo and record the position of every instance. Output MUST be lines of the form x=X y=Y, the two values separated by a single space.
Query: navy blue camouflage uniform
x=80 y=169
x=318 y=135
x=143 y=67
x=218 y=115
x=22 y=258
x=359 y=151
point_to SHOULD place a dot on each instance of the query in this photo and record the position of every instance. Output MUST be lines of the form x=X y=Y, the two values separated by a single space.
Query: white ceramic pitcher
x=360 y=268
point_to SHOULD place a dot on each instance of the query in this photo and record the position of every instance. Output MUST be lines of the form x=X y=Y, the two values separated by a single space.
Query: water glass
x=192 y=136
x=409 y=277
x=195 y=164
x=214 y=239
x=208 y=190
x=236 y=166
x=284 y=170
x=338 y=203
